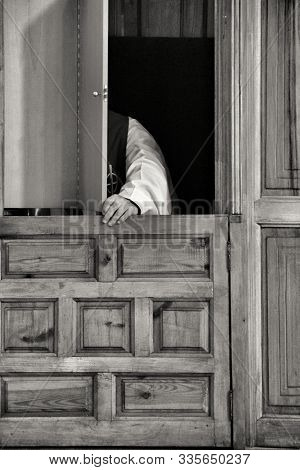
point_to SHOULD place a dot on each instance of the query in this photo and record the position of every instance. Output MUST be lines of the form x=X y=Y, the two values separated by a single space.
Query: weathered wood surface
x=104 y=326
x=281 y=98
x=28 y=326
x=166 y=257
x=278 y=431
x=30 y=289
x=181 y=327
x=42 y=396
x=121 y=364
x=171 y=226
x=89 y=432
x=48 y=258
x=281 y=251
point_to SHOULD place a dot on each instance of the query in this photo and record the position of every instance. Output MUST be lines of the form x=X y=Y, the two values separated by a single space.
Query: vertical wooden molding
x=142 y=312
x=238 y=320
x=108 y=258
x=223 y=104
x=67 y=330
x=104 y=397
x=250 y=143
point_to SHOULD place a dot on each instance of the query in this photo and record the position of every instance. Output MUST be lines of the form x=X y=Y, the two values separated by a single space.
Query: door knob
x=97 y=93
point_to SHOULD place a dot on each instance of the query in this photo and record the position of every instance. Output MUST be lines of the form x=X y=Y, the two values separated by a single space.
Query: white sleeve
x=147 y=180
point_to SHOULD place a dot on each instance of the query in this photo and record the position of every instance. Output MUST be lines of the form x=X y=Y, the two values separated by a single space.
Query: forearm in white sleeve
x=147 y=181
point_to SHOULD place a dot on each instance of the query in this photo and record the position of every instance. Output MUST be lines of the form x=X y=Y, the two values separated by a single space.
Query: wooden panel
x=170 y=256
x=93 y=109
x=282 y=432
x=48 y=258
x=181 y=327
x=159 y=395
x=87 y=432
x=42 y=396
x=160 y=18
x=281 y=323
x=103 y=326
x=28 y=326
x=40 y=54
x=281 y=107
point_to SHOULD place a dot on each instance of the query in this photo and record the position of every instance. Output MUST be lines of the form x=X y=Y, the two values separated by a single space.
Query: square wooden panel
x=281 y=328
x=181 y=327
x=281 y=104
x=166 y=257
x=47 y=395
x=103 y=326
x=57 y=257
x=160 y=395
x=28 y=326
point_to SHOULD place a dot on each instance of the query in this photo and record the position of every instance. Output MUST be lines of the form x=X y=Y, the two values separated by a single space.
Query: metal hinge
x=230 y=404
x=229 y=255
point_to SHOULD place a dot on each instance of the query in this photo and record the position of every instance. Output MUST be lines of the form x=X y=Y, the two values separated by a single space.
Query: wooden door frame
x=244 y=180
x=238 y=149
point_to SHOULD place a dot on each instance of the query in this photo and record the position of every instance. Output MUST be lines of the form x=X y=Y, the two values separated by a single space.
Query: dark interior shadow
x=168 y=85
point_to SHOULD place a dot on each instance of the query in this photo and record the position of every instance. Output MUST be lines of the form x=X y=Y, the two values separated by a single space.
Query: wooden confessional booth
x=170 y=331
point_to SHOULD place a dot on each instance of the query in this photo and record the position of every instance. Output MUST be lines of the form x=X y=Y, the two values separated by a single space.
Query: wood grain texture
x=159 y=395
x=41 y=396
x=108 y=258
x=29 y=327
x=175 y=226
x=93 y=110
x=104 y=397
x=171 y=256
x=281 y=352
x=40 y=54
x=278 y=432
x=180 y=327
x=33 y=288
x=281 y=105
x=175 y=18
x=113 y=364
x=48 y=258
x=104 y=327
x=87 y=432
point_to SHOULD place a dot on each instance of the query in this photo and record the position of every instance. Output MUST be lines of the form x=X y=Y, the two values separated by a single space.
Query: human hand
x=117 y=209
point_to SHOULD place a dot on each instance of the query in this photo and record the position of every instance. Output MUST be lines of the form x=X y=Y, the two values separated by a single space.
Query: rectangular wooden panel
x=164 y=256
x=40 y=55
x=181 y=326
x=160 y=18
x=47 y=396
x=281 y=321
x=28 y=326
x=48 y=258
x=281 y=104
x=104 y=326
x=158 y=395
